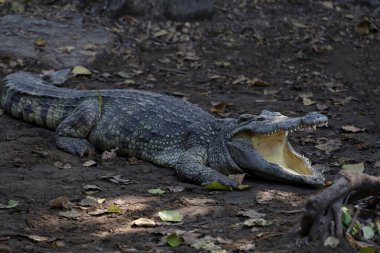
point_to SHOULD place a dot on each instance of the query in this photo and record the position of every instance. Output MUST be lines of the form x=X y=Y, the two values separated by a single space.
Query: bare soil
x=293 y=47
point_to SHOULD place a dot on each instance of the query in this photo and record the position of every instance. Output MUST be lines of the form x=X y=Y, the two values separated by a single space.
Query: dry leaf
x=363 y=27
x=307 y=101
x=329 y=146
x=270 y=92
x=176 y=188
x=328 y=4
x=353 y=129
x=298 y=24
x=356 y=167
x=62 y=165
x=73 y=214
x=89 y=163
x=81 y=71
x=238 y=178
x=40 y=42
x=38 y=238
x=251 y=214
x=322 y=107
x=257 y=83
x=218 y=107
x=107 y=155
x=160 y=33
x=143 y=222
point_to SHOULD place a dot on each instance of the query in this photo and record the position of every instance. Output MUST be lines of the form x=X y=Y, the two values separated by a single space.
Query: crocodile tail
x=26 y=96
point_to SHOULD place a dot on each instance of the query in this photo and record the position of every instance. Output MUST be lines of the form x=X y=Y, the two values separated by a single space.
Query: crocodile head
x=259 y=145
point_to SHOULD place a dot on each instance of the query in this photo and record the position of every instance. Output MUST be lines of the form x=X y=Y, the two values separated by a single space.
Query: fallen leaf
x=223 y=64
x=307 y=101
x=247 y=247
x=356 y=167
x=329 y=146
x=107 y=155
x=37 y=238
x=117 y=179
x=238 y=178
x=240 y=79
x=174 y=240
x=327 y=4
x=368 y=232
x=66 y=49
x=353 y=129
x=10 y=204
x=218 y=107
x=156 y=191
x=61 y=202
x=363 y=27
x=218 y=187
x=81 y=71
x=305 y=95
x=176 y=188
x=72 y=214
x=251 y=214
x=242 y=187
x=331 y=242
x=298 y=24
x=62 y=165
x=322 y=107
x=368 y=249
x=40 y=42
x=170 y=215
x=17 y=7
x=207 y=245
x=89 y=163
x=113 y=208
x=270 y=92
x=91 y=201
x=90 y=188
x=129 y=82
x=160 y=33
x=143 y=222
x=257 y=222
x=257 y=83
x=98 y=212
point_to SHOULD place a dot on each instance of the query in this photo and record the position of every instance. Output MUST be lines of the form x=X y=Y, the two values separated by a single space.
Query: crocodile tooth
x=314 y=127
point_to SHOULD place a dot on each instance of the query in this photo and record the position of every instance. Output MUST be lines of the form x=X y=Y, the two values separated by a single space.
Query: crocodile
x=164 y=130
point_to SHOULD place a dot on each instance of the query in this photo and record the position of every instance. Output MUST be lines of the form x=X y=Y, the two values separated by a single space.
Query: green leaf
x=81 y=71
x=242 y=187
x=114 y=209
x=368 y=232
x=170 y=215
x=174 y=240
x=156 y=191
x=346 y=216
x=218 y=186
x=12 y=203
x=367 y=250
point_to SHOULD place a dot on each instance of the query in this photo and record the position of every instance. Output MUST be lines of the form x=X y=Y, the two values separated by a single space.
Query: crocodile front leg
x=72 y=132
x=190 y=167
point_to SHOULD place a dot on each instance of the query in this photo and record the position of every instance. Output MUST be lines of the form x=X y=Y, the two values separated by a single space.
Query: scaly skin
x=164 y=130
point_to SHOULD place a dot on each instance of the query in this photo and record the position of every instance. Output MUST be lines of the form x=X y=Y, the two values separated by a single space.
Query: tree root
x=323 y=211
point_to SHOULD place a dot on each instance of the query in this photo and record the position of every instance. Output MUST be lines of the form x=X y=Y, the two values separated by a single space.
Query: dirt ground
x=288 y=56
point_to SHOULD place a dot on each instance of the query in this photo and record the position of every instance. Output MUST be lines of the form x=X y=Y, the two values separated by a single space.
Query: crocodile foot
x=323 y=215
x=75 y=146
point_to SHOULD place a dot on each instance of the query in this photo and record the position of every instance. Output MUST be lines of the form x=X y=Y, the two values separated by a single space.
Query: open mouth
x=275 y=148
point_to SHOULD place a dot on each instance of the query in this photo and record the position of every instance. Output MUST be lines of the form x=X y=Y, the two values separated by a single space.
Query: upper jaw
x=271 y=122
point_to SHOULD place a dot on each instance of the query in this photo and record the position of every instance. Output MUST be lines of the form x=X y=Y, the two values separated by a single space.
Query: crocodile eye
x=260 y=118
x=245 y=118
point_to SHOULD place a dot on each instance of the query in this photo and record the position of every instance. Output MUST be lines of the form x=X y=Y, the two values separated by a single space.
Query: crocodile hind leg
x=190 y=167
x=72 y=132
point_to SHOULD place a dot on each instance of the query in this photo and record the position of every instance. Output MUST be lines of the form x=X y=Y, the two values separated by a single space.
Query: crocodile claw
x=75 y=146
